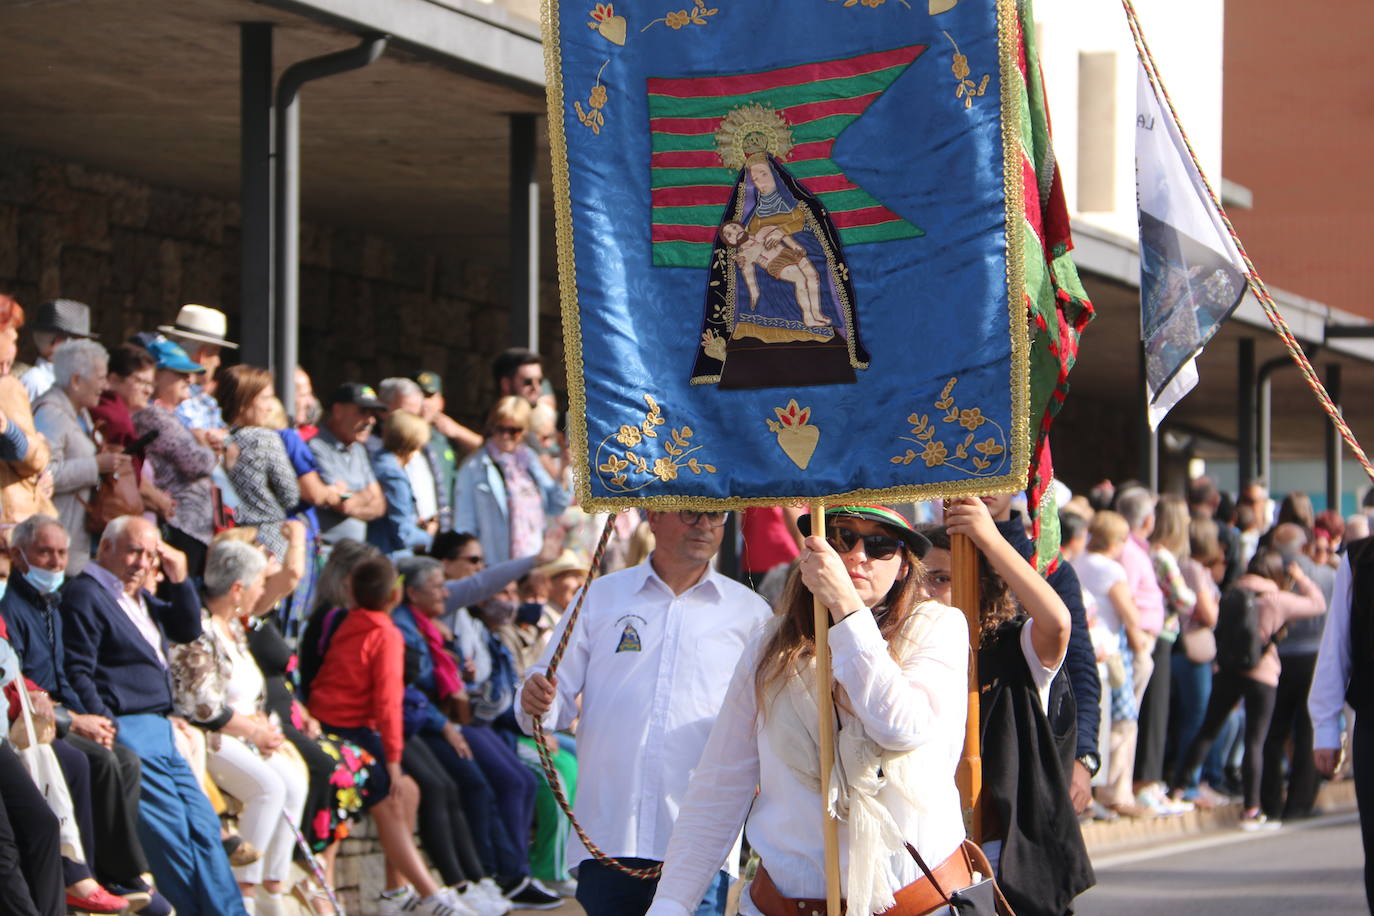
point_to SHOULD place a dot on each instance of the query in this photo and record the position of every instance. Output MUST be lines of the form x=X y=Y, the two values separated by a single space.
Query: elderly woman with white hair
x=219 y=687
x=62 y=415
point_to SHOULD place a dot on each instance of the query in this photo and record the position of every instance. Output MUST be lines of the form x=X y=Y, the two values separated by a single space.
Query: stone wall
x=371 y=307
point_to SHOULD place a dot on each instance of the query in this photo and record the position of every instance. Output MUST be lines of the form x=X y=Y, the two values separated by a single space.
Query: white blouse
x=922 y=700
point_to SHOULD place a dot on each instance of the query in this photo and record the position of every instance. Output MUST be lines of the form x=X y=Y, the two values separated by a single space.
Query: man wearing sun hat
x=200 y=331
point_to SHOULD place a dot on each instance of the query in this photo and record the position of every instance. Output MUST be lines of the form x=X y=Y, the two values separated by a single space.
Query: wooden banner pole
x=826 y=708
x=966 y=597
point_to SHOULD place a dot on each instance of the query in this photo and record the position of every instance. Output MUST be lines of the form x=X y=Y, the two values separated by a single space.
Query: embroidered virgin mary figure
x=779 y=308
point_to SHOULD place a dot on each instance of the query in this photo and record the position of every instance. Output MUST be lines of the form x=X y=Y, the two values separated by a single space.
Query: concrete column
x=1245 y=411
x=1333 y=441
x=255 y=192
x=524 y=233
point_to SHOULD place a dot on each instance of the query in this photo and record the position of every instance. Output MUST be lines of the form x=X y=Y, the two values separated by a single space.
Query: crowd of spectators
x=235 y=629
x=198 y=619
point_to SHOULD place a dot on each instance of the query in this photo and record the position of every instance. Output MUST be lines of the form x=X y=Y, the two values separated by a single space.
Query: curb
x=1126 y=834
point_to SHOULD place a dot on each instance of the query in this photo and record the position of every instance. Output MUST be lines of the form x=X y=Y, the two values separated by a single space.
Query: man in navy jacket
x=38 y=557
x=117 y=633
x=1080 y=662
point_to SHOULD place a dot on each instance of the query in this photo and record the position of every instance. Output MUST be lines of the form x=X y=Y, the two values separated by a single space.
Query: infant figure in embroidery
x=784 y=259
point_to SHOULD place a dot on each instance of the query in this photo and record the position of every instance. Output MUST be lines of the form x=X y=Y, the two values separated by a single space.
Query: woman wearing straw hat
x=901 y=670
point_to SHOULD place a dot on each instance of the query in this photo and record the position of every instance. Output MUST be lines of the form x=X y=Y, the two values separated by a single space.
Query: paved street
x=1312 y=867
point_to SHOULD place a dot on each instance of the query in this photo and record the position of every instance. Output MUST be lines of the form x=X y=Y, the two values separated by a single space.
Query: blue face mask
x=45 y=580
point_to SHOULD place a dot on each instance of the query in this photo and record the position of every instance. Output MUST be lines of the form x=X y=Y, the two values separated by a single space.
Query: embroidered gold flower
x=630 y=471
x=966 y=88
x=597 y=97
x=935 y=453
x=696 y=14
x=592 y=116
x=665 y=470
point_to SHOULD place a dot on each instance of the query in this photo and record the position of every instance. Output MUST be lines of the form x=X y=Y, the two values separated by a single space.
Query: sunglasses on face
x=876 y=546
x=692 y=518
x=510 y=430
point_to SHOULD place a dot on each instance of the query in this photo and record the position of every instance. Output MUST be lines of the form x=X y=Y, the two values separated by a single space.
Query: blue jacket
x=481 y=506
x=112 y=669
x=398 y=532
x=419 y=711
x=1080 y=661
x=42 y=653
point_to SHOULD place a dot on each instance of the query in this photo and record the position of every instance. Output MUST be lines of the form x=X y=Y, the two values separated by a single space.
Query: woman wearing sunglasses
x=1027 y=717
x=900 y=662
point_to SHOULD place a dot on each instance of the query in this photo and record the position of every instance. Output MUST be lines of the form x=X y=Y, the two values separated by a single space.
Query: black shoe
x=530 y=895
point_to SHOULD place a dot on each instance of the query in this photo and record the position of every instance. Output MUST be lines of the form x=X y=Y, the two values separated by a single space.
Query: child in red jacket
x=357 y=695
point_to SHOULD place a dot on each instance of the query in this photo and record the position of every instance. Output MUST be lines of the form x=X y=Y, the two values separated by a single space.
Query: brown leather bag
x=116 y=495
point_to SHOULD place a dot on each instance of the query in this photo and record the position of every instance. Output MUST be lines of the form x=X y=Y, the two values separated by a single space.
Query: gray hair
x=115 y=529
x=231 y=563
x=1136 y=505
x=392 y=390
x=26 y=532
x=85 y=358
x=416 y=570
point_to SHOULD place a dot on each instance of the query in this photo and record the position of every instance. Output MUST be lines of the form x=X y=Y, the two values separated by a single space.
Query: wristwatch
x=1091 y=762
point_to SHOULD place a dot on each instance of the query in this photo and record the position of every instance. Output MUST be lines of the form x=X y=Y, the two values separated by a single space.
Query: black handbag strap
x=978 y=861
x=930 y=876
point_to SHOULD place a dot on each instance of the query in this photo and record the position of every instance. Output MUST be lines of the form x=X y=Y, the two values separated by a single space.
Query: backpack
x=1239 y=646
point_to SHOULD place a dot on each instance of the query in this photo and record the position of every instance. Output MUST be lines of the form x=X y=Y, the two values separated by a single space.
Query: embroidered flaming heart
x=796 y=436
x=605 y=21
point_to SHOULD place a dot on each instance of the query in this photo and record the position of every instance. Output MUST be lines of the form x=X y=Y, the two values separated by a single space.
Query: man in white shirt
x=1345 y=673
x=651 y=657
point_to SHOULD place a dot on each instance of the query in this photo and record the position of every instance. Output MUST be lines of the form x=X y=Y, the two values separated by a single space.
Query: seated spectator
x=25 y=485
x=62 y=415
x=342 y=458
x=358 y=694
x=199 y=331
x=30 y=834
x=504 y=495
x=183 y=464
x=218 y=687
x=262 y=474
x=130 y=387
x=402 y=530
x=497 y=791
x=39 y=554
x=117 y=634
x=55 y=323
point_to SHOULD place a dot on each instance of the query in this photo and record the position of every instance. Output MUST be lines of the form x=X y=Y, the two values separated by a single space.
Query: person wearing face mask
x=38 y=558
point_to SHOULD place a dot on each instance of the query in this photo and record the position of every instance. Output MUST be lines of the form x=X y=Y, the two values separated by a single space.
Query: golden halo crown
x=750 y=130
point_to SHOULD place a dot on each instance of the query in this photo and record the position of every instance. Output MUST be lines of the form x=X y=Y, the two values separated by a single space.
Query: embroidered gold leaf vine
x=872 y=4
x=592 y=116
x=628 y=471
x=966 y=88
x=696 y=14
x=954 y=453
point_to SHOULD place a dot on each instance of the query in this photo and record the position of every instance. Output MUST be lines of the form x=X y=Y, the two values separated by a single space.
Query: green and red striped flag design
x=691 y=185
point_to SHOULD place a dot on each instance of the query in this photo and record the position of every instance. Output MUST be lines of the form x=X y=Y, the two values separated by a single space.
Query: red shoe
x=100 y=901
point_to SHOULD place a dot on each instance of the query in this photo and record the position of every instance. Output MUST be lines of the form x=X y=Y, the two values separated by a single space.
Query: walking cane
x=314 y=865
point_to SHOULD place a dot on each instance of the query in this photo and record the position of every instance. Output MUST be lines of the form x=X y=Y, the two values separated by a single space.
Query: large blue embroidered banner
x=791 y=248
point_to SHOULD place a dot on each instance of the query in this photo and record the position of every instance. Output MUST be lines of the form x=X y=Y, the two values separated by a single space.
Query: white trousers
x=266 y=788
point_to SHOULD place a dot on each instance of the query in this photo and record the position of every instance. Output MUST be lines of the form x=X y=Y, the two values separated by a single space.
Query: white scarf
x=865 y=777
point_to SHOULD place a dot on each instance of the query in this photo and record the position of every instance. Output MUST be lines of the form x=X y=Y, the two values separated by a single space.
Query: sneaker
x=531 y=895
x=399 y=902
x=443 y=903
x=476 y=899
x=1099 y=812
x=566 y=888
x=1251 y=823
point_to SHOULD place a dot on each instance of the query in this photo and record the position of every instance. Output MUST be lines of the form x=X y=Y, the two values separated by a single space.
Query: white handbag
x=41 y=762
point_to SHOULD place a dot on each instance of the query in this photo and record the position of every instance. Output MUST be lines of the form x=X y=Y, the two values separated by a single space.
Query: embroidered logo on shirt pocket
x=629 y=640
